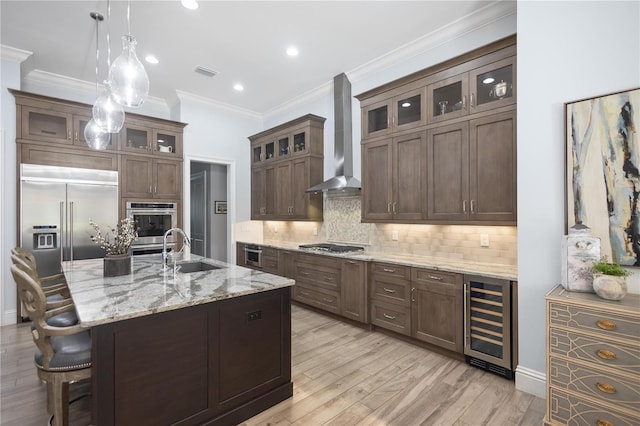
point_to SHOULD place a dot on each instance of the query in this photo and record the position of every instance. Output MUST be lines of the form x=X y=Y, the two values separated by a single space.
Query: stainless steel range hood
x=343 y=149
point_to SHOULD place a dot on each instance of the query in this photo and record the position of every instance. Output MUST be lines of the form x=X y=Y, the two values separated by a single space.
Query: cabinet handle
x=76 y=135
x=471 y=103
x=464 y=102
x=391 y=317
x=472 y=211
x=433 y=277
x=464 y=206
x=389 y=208
x=304 y=273
x=353 y=262
x=388 y=270
x=600 y=422
x=304 y=293
x=69 y=134
x=393 y=120
x=155 y=189
x=328 y=279
x=388 y=290
x=150 y=191
x=413 y=294
x=606 y=324
x=606 y=388
x=327 y=300
x=606 y=354
x=394 y=208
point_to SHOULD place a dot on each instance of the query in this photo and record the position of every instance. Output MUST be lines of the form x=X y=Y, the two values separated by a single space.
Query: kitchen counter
x=208 y=347
x=492 y=270
x=148 y=290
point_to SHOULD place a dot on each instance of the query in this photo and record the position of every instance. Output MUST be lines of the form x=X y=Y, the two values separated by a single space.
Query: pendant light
x=94 y=135
x=108 y=113
x=129 y=81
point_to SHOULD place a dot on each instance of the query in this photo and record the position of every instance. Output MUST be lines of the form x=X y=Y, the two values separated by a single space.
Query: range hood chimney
x=343 y=149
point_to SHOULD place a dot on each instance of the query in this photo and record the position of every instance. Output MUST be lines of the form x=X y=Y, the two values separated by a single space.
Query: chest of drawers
x=593 y=359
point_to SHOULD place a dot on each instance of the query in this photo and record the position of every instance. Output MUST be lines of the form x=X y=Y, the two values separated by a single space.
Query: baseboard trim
x=10 y=317
x=531 y=381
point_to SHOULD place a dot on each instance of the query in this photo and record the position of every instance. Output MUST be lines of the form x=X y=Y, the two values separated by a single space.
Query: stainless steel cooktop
x=329 y=247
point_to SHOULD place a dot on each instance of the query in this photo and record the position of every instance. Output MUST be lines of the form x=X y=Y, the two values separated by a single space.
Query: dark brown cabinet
x=472 y=170
x=437 y=308
x=285 y=161
x=353 y=290
x=144 y=177
x=396 y=169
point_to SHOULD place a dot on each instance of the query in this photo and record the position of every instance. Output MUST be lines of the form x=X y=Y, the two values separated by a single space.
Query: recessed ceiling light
x=292 y=51
x=151 y=59
x=189 y=4
x=406 y=104
x=488 y=80
x=239 y=87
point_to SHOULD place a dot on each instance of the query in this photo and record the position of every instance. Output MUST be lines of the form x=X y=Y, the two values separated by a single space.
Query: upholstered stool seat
x=69 y=352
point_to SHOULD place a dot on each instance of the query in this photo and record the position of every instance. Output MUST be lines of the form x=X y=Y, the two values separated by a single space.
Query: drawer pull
x=391 y=317
x=328 y=278
x=304 y=293
x=328 y=300
x=606 y=324
x=606 y=354
x=388 y=270
x=433 y=277
x=606 y=387
x=388 y=290
x=304 y=273
x=603 y=423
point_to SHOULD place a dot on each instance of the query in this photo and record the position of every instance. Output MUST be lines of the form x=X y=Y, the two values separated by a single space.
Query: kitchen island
x=210 y=346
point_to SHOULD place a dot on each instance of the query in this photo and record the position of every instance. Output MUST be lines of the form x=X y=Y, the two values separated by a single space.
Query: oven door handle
x=250 y=250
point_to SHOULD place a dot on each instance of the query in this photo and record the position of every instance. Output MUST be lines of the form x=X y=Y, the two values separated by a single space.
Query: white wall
x=566 y=51
x=218 y=190
x=9 y=78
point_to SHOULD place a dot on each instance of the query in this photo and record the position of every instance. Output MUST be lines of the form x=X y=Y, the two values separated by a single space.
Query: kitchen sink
x=188 y=267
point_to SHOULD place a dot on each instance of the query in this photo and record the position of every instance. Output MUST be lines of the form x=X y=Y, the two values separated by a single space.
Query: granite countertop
x=147 y=290
x=491 y=270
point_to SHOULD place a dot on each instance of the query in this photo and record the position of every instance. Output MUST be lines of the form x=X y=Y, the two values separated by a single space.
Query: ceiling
x=244 y=41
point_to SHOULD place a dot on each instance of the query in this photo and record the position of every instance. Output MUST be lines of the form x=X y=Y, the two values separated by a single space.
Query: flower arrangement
x=118 y=240
x=604 y=267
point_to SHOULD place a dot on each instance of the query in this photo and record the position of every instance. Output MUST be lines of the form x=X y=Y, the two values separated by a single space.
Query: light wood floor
x=342 y=375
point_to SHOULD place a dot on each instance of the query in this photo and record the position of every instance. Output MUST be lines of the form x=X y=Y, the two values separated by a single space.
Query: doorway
x=208 y=210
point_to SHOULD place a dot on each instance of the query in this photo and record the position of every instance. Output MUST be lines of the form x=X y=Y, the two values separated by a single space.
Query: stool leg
x=61 y=403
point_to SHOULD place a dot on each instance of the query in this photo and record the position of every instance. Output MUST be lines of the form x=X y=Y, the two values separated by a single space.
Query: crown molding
x=187 y=96
x=12 y=54
x=311 y=95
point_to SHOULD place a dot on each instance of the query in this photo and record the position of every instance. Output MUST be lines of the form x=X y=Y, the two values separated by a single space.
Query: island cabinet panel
x=218 y=363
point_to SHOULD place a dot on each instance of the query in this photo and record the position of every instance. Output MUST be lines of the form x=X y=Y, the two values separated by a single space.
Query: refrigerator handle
x=61 y=243
x=71 y=229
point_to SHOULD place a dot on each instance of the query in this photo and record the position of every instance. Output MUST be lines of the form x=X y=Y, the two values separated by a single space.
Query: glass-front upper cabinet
x=284 y=146
x=401 y=112
x=136 y=138
x=264 y=150
x=448 y=98
x=493 y=85
x=167 y=143
x=79 y=123
x=47 y=125
x=300 y=140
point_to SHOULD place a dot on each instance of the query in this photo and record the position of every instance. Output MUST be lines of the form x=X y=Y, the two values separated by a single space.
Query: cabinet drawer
x=391 y=317
x=607 y=324
x=567 y=409
x=391 y=290
x=318 y=276
x=269 y=252
x=607 y=387
x=604 y=353
x=270 y=265
x=429 y=275
x=391 y=270
x=318 y=259
x=327 y=300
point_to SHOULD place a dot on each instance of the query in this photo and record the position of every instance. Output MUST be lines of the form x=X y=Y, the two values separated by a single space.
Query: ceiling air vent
x=206 y=71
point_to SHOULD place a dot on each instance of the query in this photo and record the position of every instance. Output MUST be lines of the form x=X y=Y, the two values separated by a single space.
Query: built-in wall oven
x=253 y=256
x=152 y=221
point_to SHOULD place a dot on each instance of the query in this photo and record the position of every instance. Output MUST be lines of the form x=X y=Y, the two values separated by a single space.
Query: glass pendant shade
x=95 y=136
x=107 y=113
x=129 y=80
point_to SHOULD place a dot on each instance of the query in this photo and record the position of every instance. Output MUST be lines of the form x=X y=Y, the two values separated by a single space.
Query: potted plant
x=116 y=243
x=609 y=279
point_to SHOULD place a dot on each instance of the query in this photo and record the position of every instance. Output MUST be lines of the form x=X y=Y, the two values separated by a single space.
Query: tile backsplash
x=342 y=224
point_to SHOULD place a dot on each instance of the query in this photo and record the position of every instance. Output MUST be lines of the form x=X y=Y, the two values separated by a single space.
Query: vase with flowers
x=116 y=243
x=609 y=279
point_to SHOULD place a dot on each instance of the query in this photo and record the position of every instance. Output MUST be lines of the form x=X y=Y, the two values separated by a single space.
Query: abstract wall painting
x=603 y=171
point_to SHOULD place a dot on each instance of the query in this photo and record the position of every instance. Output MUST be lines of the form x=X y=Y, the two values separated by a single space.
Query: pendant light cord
x=129 y=17
x=97 y=55
x=108 y=37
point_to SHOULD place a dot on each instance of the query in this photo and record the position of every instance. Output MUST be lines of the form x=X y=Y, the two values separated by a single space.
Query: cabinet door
x=448 y=173
x=377 y=194
x=283 y=189
x=353 y=290
x=300 y=141
x=493 y=86
x=409 y=110
x=409 y=180
x=287 y=264
x=258 y=193
x=79 y=123
x=167 y=143
x=376 y=119
x=136 y=138
x=436 y=312
x=299 y=184
x=137 y=177
x=46 y=125
x=270 y=189
x=448 y=98
x=492 y=157
x=167 y=176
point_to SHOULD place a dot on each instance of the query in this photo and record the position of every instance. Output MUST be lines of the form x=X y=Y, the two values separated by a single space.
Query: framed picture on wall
x=220 y=207
x=603 y=171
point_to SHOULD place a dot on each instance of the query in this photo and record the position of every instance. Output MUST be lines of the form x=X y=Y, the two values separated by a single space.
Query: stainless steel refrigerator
x=55 y=207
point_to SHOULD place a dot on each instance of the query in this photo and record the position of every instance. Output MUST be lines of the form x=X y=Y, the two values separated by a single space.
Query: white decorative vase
x=580 y=250
x=610 y=287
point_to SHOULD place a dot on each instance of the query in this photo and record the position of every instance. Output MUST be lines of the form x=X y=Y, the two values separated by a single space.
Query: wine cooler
x=489 y=324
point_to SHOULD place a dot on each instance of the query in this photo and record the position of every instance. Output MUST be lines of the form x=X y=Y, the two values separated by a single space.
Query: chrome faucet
x=164 y=245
